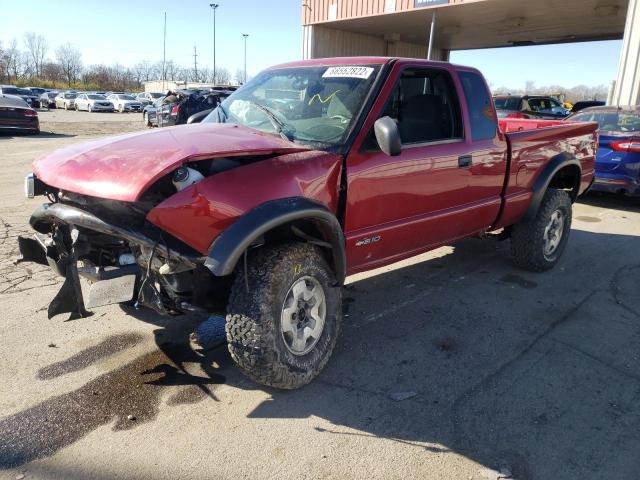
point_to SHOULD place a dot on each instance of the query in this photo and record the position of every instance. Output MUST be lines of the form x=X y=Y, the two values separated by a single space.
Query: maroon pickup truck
x=312 y=171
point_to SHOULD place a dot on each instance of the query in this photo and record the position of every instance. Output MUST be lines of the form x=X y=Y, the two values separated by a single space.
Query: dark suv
x=529 y=106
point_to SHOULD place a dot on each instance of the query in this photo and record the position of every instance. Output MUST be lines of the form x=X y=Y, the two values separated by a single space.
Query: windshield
x=305 y=104
x=125 y=97
x=96 y=97
x=10 y=90
x=611 y=120
x=24 y=91
x=70 y=95
x=156 y=95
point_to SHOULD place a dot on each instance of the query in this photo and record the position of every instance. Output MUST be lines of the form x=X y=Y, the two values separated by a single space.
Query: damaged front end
x=121 y=256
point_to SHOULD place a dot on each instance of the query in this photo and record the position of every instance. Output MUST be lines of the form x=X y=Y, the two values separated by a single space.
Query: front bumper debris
x=64 y=243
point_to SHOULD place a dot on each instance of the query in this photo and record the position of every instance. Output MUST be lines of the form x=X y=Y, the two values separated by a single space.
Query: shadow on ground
x=536 y=372
x=611 y=200
x=6 y=135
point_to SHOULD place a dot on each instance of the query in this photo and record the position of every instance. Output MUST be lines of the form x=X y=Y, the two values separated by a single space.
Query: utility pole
x=164 y=53
x=214 y=6
x=245 y=35
x=195 y=64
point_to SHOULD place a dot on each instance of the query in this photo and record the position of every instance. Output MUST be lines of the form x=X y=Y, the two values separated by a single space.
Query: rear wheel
x=65 y=106
x=537 y=245
x=89 y=109
x=282 y=329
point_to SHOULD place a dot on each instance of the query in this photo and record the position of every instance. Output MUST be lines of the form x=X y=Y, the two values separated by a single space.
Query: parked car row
x=37 y=97
x=176 y=108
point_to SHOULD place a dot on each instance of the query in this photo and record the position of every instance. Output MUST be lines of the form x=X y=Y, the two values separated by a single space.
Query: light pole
x=214 y=6
x=245 y=35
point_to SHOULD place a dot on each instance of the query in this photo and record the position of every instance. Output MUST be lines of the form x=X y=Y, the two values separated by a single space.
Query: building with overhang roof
x=433 y=28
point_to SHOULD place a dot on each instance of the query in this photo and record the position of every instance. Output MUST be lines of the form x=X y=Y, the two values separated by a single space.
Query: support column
x=627 y=86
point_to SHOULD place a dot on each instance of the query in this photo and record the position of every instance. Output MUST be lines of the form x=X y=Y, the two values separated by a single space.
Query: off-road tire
x=253 y=318
x=527 y=237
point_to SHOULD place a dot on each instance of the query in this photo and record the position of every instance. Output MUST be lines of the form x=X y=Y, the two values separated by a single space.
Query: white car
x=66 y=100
x=147 y=98
x=92 y=102
x=125 y=103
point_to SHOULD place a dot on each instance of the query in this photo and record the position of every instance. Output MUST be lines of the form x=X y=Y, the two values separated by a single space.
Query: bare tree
x=223 y=76
x=12 y=60
x=70 y=62
x=239 y=76
x=205 y=74
x=172 y=70
x=36 y=50
x=529 y=86
x=53 y=71
x=144 y=71
x=3 y=65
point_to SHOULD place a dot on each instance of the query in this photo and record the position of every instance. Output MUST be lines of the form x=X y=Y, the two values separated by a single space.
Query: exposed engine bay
x=122 y=256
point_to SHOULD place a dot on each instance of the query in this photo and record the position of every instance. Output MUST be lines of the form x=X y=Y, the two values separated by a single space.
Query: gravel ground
x=455 y=366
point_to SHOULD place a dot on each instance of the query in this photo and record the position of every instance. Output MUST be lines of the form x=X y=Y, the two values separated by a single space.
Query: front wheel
x=537 y=245
x=65 y=107
x=283 y=320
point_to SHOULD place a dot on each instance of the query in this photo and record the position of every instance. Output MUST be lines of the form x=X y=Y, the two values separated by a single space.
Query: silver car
x=125 y=103
x=92 y=102
x=66 y=100
x=147 y=98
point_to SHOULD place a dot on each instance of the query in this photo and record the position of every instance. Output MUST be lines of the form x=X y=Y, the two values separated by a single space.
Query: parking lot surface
x=456 y=366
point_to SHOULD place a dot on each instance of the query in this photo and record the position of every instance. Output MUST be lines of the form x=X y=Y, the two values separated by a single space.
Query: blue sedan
x=618 y=160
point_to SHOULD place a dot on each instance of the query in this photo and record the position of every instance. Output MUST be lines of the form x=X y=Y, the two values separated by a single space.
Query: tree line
x=572 y=94
x=33 y=62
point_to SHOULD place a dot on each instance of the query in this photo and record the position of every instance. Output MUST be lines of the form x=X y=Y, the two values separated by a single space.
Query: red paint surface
x=198 y=214
x=123 y=167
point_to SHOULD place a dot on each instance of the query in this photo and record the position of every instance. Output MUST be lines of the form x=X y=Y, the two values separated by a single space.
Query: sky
x=130 y=31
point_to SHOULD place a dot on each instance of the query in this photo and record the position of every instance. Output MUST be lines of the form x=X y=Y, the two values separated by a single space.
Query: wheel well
x=567 y=178
x=314 y=231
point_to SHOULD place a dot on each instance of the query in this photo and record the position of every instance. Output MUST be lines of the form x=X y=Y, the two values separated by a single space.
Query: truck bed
x=532 y=144
x=508 y=125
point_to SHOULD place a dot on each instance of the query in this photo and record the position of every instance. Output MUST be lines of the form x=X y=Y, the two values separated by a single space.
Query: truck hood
x=125 y=166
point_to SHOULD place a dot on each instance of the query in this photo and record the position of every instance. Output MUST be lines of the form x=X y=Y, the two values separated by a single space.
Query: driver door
x=434 y=191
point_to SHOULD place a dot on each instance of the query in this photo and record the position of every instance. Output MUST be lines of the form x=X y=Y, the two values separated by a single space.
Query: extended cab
x=312 y=171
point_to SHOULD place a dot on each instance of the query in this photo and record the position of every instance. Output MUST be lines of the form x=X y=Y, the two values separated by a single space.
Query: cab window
x=482 y=115
x=425 y=106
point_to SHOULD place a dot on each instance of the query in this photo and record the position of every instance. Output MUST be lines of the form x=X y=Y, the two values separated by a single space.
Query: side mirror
x=198 y=117
x=388 y=136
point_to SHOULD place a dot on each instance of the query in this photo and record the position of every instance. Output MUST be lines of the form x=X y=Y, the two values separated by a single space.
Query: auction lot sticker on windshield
x=347 y=71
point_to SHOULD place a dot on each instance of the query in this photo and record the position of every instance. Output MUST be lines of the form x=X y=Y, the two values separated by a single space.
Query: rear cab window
x=482 y=116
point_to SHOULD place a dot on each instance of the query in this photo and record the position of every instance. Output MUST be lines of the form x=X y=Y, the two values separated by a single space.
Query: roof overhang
x=498 y=23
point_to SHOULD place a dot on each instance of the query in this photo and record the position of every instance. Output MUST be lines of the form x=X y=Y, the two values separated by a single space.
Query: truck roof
x=357 y=60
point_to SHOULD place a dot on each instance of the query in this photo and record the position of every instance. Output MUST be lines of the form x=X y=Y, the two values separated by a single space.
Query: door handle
x=465 y=161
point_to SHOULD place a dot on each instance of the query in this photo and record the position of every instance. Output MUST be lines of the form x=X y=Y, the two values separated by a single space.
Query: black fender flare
x=226 y=250
x=541 y=183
